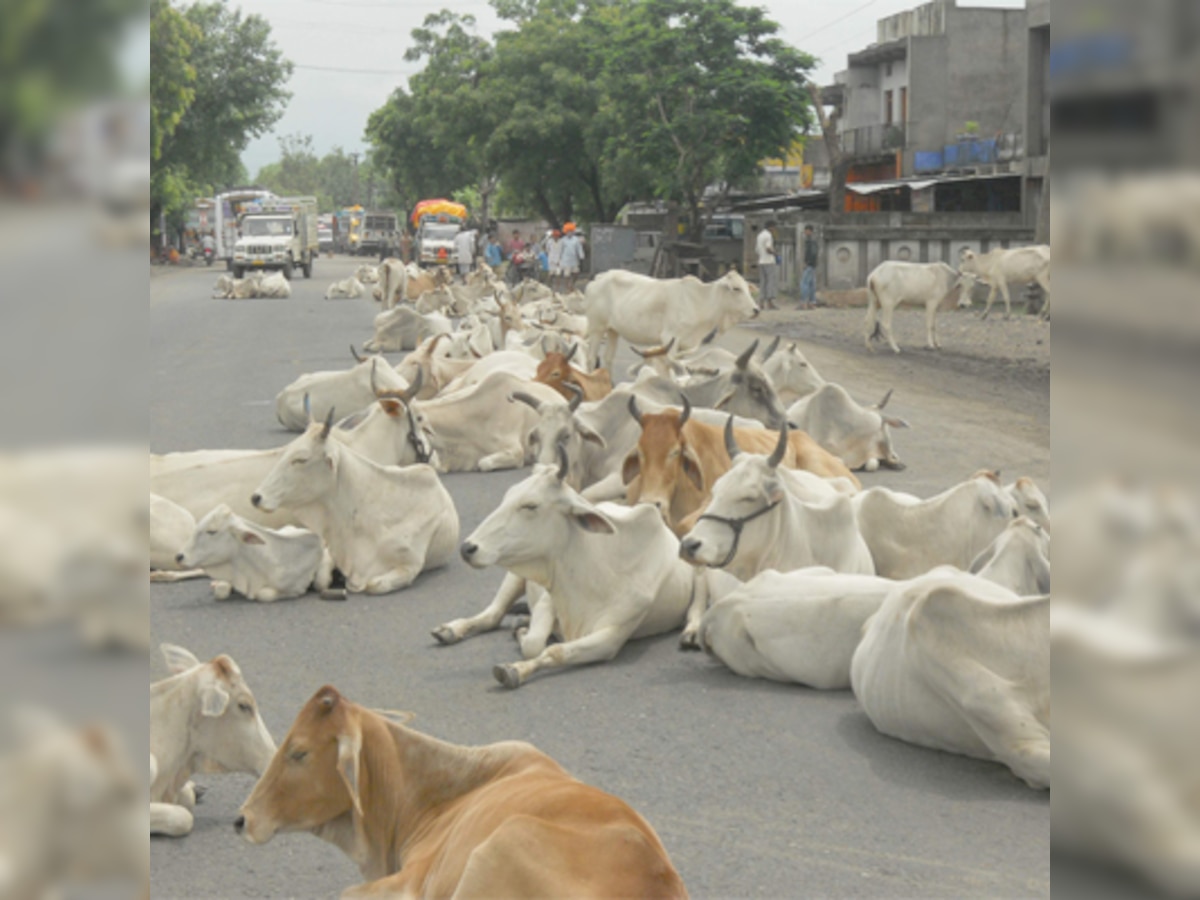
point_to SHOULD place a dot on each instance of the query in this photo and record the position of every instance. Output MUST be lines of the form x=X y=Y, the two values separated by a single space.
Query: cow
x=789 y=371
x=383 y=525
x=422 y=280
x=598 y=575
x=909 y=536
x=558 y=426
x=425 y=818
x=763 y=516
x=957 y=663
x=393 y=282
x=171 y=527
x=677 y=460
x=403 y=328
x=893 y=282
x=259 y=563
x=346 y=289
x=367 y=274
x=1001 y=267
x=203 y=718
x=650 y=311
x=315 y=393
x=1030 y=501
x=800 y=627
x=859 y=435
x=555 y=371
x=1018 y=559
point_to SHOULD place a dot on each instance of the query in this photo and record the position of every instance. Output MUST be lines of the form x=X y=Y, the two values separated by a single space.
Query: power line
x=346 y=71
x=829 y=25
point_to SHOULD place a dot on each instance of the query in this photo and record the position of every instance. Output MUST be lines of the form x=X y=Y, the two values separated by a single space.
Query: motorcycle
x=210 y=254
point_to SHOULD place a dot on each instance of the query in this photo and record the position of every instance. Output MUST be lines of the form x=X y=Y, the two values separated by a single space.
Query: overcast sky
x=360 y=38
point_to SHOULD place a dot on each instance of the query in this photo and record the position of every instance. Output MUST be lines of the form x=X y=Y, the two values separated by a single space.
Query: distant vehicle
x=278 y=233
x=227 y=210
x=437 y=222
x=325 y=233
x=379 y=230
x=349 y=230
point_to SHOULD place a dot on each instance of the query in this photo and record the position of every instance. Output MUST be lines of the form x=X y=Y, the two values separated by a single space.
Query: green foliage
x=330 y=178
x=172 y=76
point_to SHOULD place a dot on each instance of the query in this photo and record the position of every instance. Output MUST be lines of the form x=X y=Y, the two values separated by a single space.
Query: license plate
x=258 y=262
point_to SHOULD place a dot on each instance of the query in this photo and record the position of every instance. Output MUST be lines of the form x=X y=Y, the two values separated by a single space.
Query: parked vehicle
x=349 y=230
x=280 y=233
x=325 y=233
x=438 y=222
x=228 y=209
x=379 y=231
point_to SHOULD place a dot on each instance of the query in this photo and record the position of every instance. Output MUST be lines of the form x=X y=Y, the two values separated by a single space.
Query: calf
x=909 y=536
x=171 y=527
x=1018 y=559
x=367 y=274
x=601 y=575
x=858 y=435
x=1001 y=267
x=259 y=563
x=203 y=718
x=346 y=289
x=383 y=525
x=893 y=282
x=956 y=663
x=424 y=818
x=556 y=371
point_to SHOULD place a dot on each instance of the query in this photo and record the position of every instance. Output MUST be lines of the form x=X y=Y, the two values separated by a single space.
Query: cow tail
x=873 y=310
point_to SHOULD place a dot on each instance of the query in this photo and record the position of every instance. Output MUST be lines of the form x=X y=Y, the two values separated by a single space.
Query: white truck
x=277 y=233
x=228 y=209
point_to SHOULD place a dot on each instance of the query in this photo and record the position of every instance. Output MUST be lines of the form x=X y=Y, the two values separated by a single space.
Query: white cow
x=601 y=575
x=203 y=718
x=393 y=282
x=650 y=311
x=259 y=563
x=1030 y=501
x=957 y=663
x=171 y=527
x=346 y=289
x=763 y=516
x=1000 y=267
x=383 y=525
x=909 y=536
x=313 y=394
x=403 y=328
x=367 y=274
x=893 y=282
x=859 y=434
x=800 y=626
x=1018 y=559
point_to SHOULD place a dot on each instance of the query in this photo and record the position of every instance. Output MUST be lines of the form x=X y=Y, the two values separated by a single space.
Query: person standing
x=768 y=268
x=554 y=258
x=808 y=281
x=406 y=246
x=464 y=252
x=570 y=258
x=493 y=255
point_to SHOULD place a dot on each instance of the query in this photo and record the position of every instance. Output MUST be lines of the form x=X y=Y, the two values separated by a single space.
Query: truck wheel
x=288 y=268
x=308 y=267
x=238 y=271
x=229 y=265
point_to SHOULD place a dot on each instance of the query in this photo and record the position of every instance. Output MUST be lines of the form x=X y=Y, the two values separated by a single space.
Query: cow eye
x=299 y=462
x=298 y=755
x=246 y=707
x=210 y=532
x=529 y=507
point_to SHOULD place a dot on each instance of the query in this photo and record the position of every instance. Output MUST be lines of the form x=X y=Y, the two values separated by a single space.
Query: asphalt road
x=757 y=789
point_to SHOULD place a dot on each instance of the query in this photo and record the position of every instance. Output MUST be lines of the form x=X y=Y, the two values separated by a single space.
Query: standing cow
x=892 y=283
x=1001 y=267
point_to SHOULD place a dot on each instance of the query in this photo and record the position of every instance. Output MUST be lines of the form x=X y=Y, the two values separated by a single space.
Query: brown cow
x=677 y=460
x=424 y=818
x=557 y=372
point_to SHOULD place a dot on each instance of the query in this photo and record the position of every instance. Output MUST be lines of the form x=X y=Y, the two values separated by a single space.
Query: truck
x=228 y=209
x=379 y=231
x=277 y=233
x=349 y=230
x=438 y=223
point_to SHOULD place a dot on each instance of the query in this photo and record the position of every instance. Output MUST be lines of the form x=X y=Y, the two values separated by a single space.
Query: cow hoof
x=689 y=641
x=444 y=635
x=199 y=791
x=507 y=676
x=333 y=594
x=519 y=633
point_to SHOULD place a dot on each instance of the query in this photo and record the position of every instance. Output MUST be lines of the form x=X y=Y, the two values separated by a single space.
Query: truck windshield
x=440 y=232
x=255 y=227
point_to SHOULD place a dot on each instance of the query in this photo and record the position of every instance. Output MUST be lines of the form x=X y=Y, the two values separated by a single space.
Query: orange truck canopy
x=439 y=207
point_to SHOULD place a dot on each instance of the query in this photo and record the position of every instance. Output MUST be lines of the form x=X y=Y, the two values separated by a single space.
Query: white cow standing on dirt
x=203 y=718
x=894 y=282
x=1001 y=267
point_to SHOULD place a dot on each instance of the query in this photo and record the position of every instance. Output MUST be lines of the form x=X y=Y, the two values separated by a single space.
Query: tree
x=172 y=76
x=839 y=163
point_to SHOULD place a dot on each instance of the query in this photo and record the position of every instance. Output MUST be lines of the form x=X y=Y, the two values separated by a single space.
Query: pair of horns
x=328 y=425
x=744 y=359
x=536 y=405
x=777 y=454
x=683 y=416
x=406 y=396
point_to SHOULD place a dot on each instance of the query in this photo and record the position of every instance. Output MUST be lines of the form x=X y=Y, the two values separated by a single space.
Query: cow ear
x=691 y=468
x=213 y=699
x=590 y=518
x=249 y=537
x=349 y=751
x=893 y=422
x=392 y=407
x=631 y=468
x=178 y=659
x=589 y=435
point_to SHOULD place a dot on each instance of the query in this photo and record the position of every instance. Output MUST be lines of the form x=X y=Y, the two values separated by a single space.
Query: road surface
x=757 y=789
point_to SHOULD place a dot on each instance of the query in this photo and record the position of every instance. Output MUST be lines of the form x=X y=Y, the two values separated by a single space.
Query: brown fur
x=554 y=371
x=424 y=818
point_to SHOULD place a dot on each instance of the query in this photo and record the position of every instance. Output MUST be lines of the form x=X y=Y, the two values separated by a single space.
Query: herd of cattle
x=709 y=491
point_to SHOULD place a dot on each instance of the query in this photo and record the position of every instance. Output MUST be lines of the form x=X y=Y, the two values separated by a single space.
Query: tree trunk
x=1042 y=233
x=839 y=166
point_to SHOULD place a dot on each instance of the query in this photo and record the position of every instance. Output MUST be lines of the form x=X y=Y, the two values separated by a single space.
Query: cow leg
x=991 y=298
x=512 y=588
x=610 y=349
x=266 y=595
x=872 y=325
x=324 y=576
x=396 y=580
x=690 y=639
x=170 y=819
x=1004 y=292
x=167 y=576
x=931 y=341
x=504 y=459
x=534 y=638
x=221 y=590
x=1043 y=280
x=599 y=646
x=886 y=315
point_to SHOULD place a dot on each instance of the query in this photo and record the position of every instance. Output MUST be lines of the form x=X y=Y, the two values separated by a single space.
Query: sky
x=349 y=54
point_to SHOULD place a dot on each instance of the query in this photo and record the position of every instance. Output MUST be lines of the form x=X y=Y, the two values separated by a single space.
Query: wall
x=898 y=79
x=924 y=20
x=927 y=78
x=863 y=106
x=987 y=60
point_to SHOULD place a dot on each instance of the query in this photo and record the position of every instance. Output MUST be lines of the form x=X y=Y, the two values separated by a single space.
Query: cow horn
x=563 y=463
x=708 y=338
x=687 y=410
x=328 y=424
x=415 y=388
x=771 y=348
x=886 y=397
x=522 y=397
x=573 y=403
x=643 y=353
x=544 y=350
x=776 y=456
x=731 y=446
x=308 y=406
x=744 y=359
x=571 y=352
x=357 y=358
x=633 y=409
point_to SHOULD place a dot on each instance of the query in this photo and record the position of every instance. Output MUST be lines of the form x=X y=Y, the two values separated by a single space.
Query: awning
x=874 y=187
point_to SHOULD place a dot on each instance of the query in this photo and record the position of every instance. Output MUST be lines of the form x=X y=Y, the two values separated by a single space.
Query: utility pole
x=354 y=159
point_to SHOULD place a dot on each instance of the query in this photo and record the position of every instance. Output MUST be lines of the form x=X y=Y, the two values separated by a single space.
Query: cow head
x=663 y=463
x=313 y=777
x=555 y=371
x=736 y=298
x=419 y=364
x=1031 y=501
x=226 y=733
x=305 y=472
x=1025 y=542
x=747 y=391
x=791 y=373
x=217 y=539
x=742 y=499
x=533 y=521
x=558 y=426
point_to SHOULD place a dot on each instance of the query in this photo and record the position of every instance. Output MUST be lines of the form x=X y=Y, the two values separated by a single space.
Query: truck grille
x=259 y=250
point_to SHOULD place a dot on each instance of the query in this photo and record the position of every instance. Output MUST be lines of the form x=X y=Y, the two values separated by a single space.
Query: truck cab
x=281 y=234
x=435 y=242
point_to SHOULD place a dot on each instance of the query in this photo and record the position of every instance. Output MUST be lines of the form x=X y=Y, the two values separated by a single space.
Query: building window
x=887 y=107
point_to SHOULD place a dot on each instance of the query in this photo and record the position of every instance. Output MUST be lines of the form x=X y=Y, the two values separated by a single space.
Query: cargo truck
x=277 y=233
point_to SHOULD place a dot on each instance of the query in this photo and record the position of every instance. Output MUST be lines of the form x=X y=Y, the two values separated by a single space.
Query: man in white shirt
x=768 y=270
x=464 y=251
x=570 y=256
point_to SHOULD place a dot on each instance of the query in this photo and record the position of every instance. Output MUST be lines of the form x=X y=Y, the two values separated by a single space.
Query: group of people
x=559 y=254
x=768 y=268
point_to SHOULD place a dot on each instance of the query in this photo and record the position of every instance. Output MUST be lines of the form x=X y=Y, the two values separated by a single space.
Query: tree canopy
x=582 y=105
